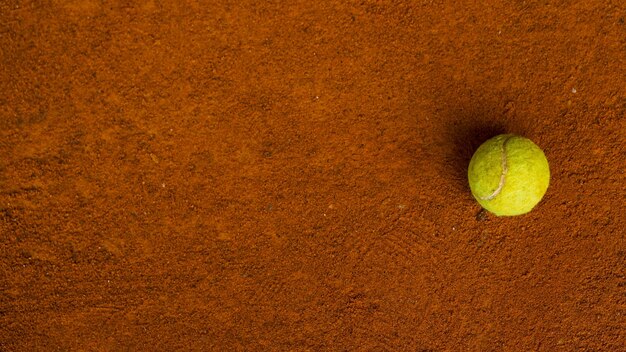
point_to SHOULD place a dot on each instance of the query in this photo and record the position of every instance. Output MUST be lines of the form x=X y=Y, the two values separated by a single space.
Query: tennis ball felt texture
x=508 y=175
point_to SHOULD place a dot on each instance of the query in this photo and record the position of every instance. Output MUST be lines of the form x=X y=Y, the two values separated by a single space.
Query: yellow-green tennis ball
x=508 y=175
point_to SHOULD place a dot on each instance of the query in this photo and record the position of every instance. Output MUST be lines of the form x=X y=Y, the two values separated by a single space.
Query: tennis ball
x=508 y=175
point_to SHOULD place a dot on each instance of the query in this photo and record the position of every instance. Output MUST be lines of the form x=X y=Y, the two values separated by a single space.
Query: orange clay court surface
x=291 y=175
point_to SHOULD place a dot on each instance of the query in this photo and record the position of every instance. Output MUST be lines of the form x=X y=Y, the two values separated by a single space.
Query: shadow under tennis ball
x=465 y=139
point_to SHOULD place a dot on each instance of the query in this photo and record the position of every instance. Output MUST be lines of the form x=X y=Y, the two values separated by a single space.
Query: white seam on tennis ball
x=505 y=169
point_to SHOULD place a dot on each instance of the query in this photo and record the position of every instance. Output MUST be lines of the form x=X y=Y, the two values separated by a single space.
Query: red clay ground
x=290 y=175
